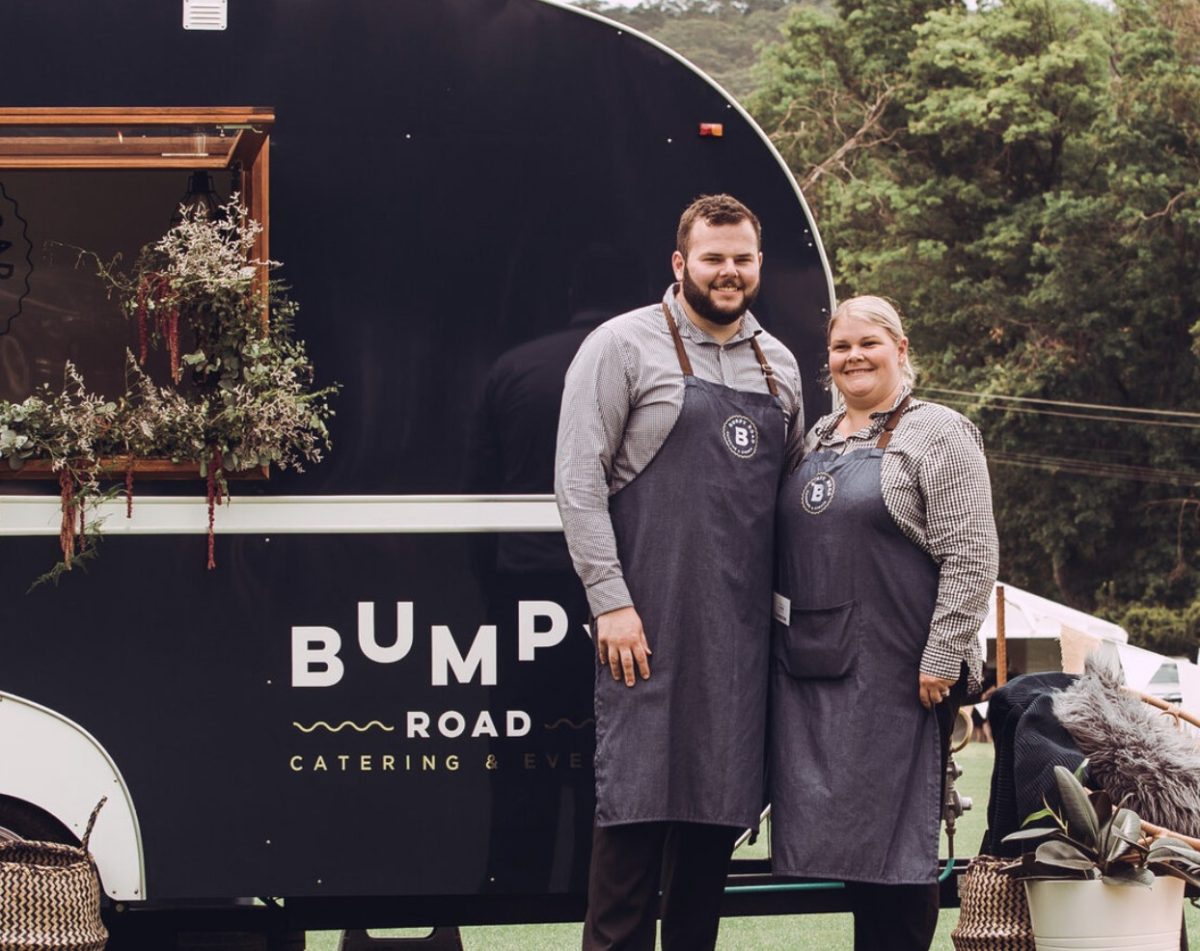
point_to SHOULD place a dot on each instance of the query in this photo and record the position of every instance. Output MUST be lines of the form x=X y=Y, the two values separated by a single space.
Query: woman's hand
x=933 y=690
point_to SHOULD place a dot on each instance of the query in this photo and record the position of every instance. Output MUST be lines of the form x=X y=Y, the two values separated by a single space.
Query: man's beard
x=704 y=305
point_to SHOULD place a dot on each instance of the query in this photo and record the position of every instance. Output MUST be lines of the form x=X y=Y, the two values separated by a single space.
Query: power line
x=1087 y=467
x=1045 y=402
x=1089 y=416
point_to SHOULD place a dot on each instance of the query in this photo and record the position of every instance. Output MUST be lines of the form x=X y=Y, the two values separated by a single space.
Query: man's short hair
x=716 y=210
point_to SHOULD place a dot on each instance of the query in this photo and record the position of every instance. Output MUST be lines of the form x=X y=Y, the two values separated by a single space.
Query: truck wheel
x=23 y=820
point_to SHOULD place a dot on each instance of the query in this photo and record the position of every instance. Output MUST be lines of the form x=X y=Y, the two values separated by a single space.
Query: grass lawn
x=775 y=933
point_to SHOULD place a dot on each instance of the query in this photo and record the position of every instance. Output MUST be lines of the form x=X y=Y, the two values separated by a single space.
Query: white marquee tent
x=1030 y=616
x=1044 y=635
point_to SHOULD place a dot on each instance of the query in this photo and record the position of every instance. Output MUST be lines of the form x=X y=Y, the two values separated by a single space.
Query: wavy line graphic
x=563 y=721
x=341 y=726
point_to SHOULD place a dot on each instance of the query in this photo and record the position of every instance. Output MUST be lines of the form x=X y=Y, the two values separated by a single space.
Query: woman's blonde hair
x=883 y=313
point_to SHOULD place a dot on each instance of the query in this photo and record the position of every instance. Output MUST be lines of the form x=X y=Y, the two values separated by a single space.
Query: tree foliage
x=722 y=37
x=1025 y=180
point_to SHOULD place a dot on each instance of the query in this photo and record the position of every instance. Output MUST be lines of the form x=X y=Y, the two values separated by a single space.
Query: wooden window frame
x=126 y=140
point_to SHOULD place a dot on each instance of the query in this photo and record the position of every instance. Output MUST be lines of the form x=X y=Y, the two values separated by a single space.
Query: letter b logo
x=818 y=493
x=741 y=436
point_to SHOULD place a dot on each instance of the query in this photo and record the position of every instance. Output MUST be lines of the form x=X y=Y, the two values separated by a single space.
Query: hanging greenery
x=249 y=401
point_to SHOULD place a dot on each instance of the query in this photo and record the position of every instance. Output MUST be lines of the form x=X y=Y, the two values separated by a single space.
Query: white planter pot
x=1093 y=915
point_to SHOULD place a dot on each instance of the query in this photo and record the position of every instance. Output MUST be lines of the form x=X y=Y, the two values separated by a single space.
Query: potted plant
x=1094 y=877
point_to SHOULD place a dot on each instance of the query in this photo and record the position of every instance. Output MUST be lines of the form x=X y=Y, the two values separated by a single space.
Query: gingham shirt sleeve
x=595 y=408
x=960 y=534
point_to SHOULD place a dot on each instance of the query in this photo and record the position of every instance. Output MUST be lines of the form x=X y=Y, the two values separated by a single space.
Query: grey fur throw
x=1132 y=748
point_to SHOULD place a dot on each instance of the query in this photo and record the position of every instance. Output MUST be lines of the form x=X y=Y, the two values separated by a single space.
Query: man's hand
x=621 y=643
x=933 y=690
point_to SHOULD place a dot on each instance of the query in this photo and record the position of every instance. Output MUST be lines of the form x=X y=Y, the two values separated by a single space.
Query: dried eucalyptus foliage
x=249 y=399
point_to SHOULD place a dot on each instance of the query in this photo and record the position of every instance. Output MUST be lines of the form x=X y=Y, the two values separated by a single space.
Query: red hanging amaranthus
x=170 y=330
x=66 y=533
x=83 y=539
x=129 y=486
x=214 y=499
x=156 y=288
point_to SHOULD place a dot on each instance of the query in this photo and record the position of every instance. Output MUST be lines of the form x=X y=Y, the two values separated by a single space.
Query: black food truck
x=376 y=709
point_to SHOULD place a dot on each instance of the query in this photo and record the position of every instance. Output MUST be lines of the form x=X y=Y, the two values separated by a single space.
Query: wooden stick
x=1170 y=709
x=1155 y=832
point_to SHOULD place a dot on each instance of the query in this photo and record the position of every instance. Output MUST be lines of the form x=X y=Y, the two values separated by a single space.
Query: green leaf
x=1122 y=834
x=1082 y=823
x=1189 y=875
x=1063 y=855
x=1174 y=848
x=1103 y=804
x=1031 y=835
x=1121 y=874
x=1046 y=813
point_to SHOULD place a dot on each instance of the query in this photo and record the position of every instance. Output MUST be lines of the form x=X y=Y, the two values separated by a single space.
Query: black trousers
x=904 y=917
x=688 y=861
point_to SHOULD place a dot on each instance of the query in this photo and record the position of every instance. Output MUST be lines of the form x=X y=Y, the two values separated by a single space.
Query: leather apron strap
x=685 y=365
x=768 y=370
x=893 y=421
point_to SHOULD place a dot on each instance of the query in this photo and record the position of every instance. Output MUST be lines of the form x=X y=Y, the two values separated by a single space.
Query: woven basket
x=994 y=913
x=50 y=896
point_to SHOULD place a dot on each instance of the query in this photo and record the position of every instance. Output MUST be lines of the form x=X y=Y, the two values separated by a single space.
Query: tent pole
x=1001 y=646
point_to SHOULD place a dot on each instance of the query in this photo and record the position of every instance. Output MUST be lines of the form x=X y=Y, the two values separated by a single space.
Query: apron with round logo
x=694 y=535
x=853 y=762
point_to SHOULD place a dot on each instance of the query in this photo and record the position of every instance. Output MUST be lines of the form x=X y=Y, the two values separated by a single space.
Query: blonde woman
x=887 y=556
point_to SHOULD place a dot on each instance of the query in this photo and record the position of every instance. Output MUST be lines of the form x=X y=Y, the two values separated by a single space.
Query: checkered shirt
x=935 y=485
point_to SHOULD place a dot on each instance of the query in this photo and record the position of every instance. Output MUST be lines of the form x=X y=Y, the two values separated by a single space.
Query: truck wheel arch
x=54 y=772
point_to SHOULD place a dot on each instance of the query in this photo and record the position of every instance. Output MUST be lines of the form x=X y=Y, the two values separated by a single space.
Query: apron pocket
x=821 y=643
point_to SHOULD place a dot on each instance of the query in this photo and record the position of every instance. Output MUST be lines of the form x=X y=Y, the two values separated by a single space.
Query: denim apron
x=853 y=764
x=694 y=535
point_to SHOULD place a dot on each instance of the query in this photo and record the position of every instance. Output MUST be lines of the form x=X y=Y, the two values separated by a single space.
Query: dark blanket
x=1029 y=743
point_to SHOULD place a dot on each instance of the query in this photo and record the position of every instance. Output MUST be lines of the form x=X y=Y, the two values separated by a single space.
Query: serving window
x=105 y=181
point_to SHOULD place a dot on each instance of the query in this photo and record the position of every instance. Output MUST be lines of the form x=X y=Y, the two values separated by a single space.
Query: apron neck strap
x=893 y=421
x=768 y=370
x=685 y=364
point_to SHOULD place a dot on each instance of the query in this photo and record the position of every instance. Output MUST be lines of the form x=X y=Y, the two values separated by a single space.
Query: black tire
x=20 y=819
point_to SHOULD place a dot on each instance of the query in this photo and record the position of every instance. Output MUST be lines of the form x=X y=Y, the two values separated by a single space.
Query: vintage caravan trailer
x=377 y=706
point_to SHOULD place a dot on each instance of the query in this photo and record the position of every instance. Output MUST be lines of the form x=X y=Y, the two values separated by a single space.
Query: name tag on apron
x=781 y=607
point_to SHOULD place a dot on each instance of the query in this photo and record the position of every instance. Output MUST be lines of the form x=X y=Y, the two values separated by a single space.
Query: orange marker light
x=714 y=129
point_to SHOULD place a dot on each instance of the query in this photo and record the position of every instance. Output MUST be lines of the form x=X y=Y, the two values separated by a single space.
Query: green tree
x=1023 y=179
x=722 y=37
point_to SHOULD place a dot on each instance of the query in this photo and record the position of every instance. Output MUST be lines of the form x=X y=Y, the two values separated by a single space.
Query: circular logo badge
x=741 y=436
x=818 y=493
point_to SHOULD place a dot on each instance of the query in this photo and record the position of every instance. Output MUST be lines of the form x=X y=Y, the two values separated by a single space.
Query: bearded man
x=677 y=422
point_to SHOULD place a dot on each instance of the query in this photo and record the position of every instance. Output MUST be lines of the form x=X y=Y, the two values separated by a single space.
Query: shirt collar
x=878 y=418
x=749 y=327
x=905 y=390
